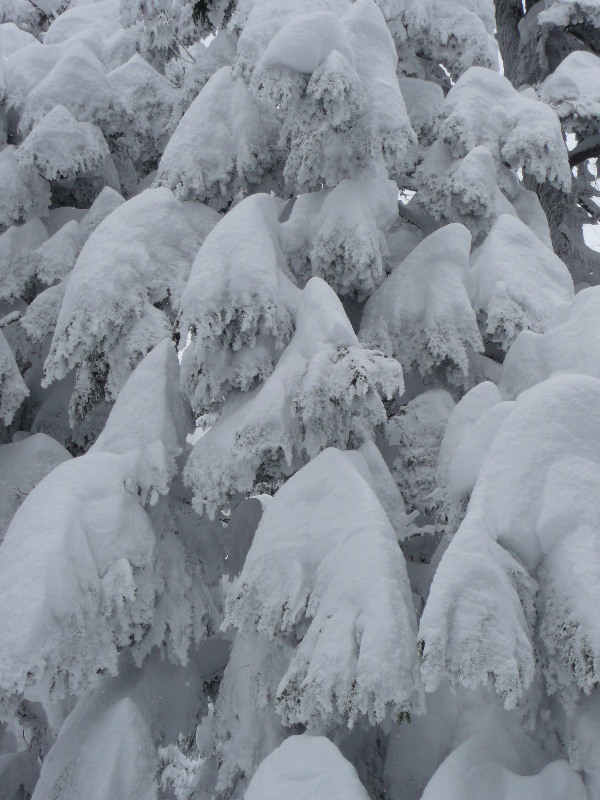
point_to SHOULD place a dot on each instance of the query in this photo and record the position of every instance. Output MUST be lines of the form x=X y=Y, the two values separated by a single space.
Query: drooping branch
x=588 y=148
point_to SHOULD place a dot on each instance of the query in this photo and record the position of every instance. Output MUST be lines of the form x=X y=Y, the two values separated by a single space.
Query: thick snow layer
x=39 y=321
x=147 y=99
x=55 y=257
x=238 y=139
x=461 y=190
x=306 y=766
x=60 y=147
x=267 y=18
x=573 y=91
x=534 y=358
x=25 y=194
x=239 y=304
x=421 y=314
x=357 y=651
x=543 y=458
x=104 y=751
x=483 y=108
x=76 y=577
x=149 y=422
x=77 y=82
x=562 y=13
x=17 y=258
x=424 y=100
x=13 y=390
x=472 y=771
x=325 y=390
x=13 y=38
x=22 y=466
x=457 y=34
x=334 y=78
x=339 y=235
x=137 y=258
x=418 y=432
x=516 y=283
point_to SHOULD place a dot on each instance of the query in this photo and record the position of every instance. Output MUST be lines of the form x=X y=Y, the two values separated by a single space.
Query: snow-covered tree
x=298 y=400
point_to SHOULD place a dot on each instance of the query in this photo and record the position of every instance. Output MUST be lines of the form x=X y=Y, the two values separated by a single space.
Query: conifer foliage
x=299 y=391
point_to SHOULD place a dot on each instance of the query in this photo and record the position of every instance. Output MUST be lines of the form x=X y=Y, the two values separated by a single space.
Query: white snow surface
x=306 y=766
x=325 y=390
x=357 y=651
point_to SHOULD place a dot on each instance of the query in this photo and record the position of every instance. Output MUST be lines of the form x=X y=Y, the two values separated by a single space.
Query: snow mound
x=22 y=466
x=239 y=304
x=357 y=654
x=573 y=91
x=17 y=257
x=25 y=193
x=306 y=766
x=516 y=283
x=421 y=313
x=238 y=139
x=60 y=147
x=483 y=108
x=339 y=235
x=534 y=357
x=149 y=422
x=325 y=390
x=76 y=575
x=138 y=258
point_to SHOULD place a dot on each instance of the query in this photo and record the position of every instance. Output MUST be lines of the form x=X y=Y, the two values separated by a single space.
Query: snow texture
x=309 y=574
x=421 y=314
x=516 y=283
x=239 y=304
x=306 y=766
x=325 y=390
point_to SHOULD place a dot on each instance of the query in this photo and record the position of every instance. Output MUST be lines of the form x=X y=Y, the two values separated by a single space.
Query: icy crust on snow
x=483 y=108
x=22 y=466
x=477 y=769
x=306 y=766
x=101 y=753
x=60 y=147
x=542 y=456
x=421 y=313
x=516 y=283
x=339 y=235
x=325 y=390
x=25 y=193
x=149 y=423
x=573 y=91
x=76 y=574
x=309 y=574
x=535 y=357
x=137 y=260
x=334 y=79
x=239 y=304
x=13 y=390
x=239 y=142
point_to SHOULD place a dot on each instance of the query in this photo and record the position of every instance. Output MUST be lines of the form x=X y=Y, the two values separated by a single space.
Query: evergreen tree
x=299 y=378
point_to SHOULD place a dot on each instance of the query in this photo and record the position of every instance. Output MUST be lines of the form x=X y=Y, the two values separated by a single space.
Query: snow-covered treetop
x=421 y=314
x=515 y=283
x=573 y=91
x=311 y=560
x=239 y=304
x=483 y=108
x=239 y=144
x=325 y=390
x=131 y=270
x=306 y=766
